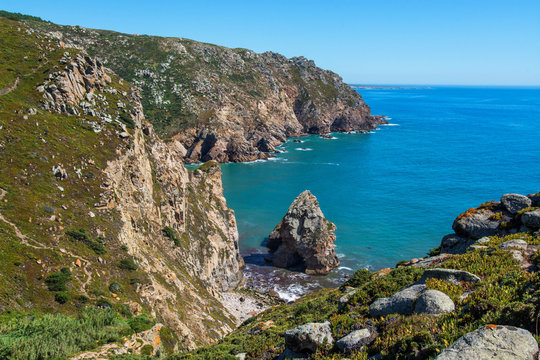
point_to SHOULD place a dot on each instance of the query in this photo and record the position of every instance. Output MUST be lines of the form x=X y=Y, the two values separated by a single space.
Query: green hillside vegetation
x=507 y=294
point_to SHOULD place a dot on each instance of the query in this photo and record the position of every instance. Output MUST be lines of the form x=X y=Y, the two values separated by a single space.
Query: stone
x=531 y=219
x=434 y=302
x=309 y=337
x=450 y=275
x=515 y=202
x=454 y=244
x=241 y=356
x=401 y=302
x=59 y=172
x=476 y=224
x=344 y=300
x=304 y=238
x=355 y=340
x=493 y=342
x=289 y=354
x=514 y=244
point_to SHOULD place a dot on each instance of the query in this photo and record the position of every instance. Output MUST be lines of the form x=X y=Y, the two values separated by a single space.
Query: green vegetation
x=57 y=280
x=19 y=16
x=171 y=234
x=141 y=323
x=127 y=264
x=82 y=236
x=35 y=337
x=506 y=295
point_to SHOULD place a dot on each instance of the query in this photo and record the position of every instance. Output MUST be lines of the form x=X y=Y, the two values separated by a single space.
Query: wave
x=303 y=149
x=389 y=124
x=344 y=268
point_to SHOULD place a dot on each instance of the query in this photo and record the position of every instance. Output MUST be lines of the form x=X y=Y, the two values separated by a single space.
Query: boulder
x=401 y=302
x=531 y=219
x=450 y=275
x=476 y=223
x=304 y=238
x=519 y=244
x=344 y=300
x=493 y=342
x=289 y=354
x=515 y=202
x=455 y=244
x=309 y=337
x=356 y=339
x=433 y=302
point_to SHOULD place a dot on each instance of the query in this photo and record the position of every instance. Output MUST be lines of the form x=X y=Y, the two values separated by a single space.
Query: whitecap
x=389 y=124
x=344 y=268
x=303 y=149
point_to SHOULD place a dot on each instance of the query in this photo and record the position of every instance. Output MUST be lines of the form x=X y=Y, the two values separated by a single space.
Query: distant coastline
x=359 y=86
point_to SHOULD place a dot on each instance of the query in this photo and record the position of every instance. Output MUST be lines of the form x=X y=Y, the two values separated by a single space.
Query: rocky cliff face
x=304 y=238
x=91 y=189
x=223 y=104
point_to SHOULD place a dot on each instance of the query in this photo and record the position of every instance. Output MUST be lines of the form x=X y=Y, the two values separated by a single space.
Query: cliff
x=223 y=104
x=96 y=210
x=471 y=304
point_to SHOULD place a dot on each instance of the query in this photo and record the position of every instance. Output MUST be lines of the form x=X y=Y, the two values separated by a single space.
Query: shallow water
x=393 y=193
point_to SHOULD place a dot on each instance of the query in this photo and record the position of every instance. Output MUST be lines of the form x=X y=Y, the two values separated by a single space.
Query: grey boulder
x=531 y=219
x=476 y=224
x=450 y=275
x=401 y=302
x=309 y=337
x=493 y=342
x=355 y=340
x=433 y=302
x=519 y=244
x=515 y=202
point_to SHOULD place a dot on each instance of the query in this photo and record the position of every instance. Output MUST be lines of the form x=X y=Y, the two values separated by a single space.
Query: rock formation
x=493 y=342
x=223 y=104
x=304 y=238
x=106 y=200
x=514 y=213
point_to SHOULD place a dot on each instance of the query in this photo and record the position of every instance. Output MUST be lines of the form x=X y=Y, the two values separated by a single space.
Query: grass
x=36 y=337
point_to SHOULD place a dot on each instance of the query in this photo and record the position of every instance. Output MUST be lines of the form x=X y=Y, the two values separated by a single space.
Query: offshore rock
x=304 y=238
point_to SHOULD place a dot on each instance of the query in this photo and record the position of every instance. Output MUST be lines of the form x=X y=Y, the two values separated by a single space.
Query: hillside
x=222 y=104
x=487 y=279
x=95 y=210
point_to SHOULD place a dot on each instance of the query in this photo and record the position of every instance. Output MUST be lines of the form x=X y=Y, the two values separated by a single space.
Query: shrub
x=115 y=287
x=141 y=323
x=171 y=234
x=61 y=297
x=127 y=264
x=360 y=277
x=82 y=236
x=57 y=280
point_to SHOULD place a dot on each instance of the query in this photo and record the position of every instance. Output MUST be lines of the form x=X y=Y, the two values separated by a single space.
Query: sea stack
x=304 y=238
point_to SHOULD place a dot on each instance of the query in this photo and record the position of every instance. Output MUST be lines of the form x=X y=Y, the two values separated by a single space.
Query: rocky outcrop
x=224 y=104
x=304 y=238
x=493 y=342
x=451 y=275
x=309 y=337
x=136 y=228
x=514 y=213
x=155 y=191
x=401 y=302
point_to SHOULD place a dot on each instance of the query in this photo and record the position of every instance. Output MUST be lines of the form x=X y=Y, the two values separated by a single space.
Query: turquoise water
x=395 y=192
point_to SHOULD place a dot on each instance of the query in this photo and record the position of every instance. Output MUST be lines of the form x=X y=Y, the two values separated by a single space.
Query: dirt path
x=9 y=89
x=36 y=245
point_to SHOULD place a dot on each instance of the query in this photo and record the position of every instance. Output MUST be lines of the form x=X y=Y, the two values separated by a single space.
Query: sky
x=452 y=42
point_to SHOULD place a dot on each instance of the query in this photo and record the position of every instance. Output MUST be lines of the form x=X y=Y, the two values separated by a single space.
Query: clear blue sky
x=472 y=42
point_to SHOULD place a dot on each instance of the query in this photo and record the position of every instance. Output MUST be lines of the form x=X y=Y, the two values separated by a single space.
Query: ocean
x=392 y=193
